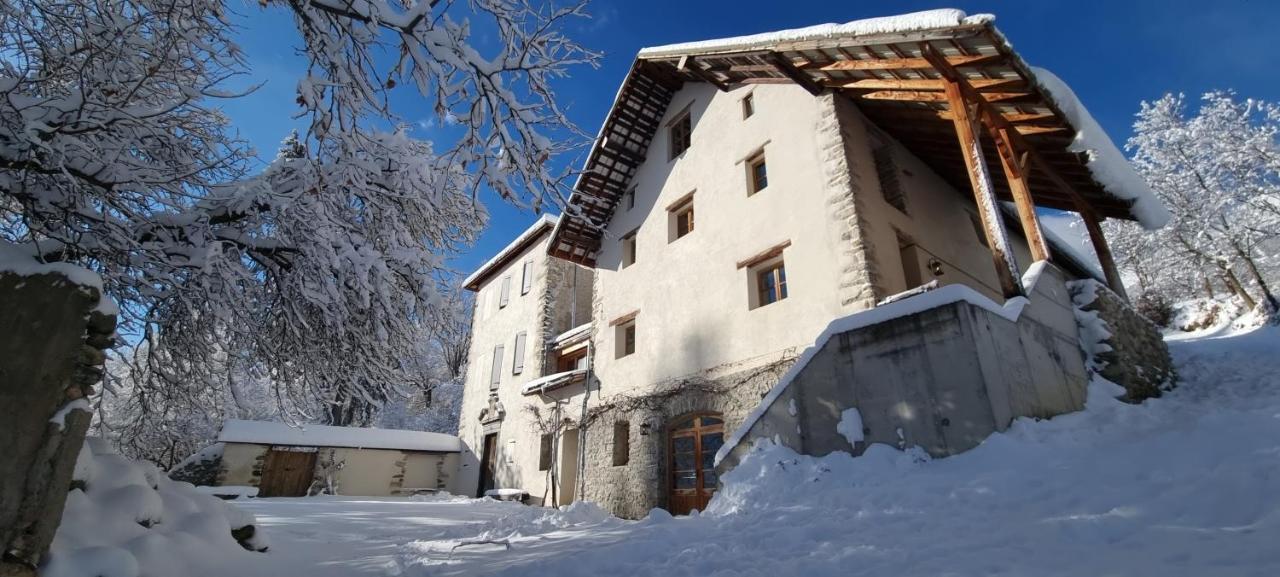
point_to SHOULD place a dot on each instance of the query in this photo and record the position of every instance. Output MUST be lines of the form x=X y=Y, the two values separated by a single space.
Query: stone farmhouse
x=826 y=237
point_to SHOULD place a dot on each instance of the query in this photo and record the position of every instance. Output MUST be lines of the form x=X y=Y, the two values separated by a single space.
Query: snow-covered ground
x=1188 y=484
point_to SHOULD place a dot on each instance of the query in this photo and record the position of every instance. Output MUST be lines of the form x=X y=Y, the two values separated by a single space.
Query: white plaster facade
x=690 y=300
x=364 y=472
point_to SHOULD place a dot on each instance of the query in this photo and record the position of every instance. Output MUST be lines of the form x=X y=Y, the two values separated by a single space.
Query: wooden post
x=988 y=209
x=1015 y=171
x=1103 y=251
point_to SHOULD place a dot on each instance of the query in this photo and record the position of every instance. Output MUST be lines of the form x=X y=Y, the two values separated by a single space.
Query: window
x=629 y=199
x=517 y=363
x=887 y=171
x=757 y=174
x=621 y=443
x=629 y=249
x=526 y=277
x=544 y=452
x=909 y=253
x=680 y=218
x=572 y=360
x=625 y=339
x=771 y=283
x=680 y=130
x=505 y=295
x=748 y=106
x=495 y=371
x=978 y=229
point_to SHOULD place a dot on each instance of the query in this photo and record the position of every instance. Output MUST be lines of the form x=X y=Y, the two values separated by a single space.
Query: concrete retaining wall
x=942 y=379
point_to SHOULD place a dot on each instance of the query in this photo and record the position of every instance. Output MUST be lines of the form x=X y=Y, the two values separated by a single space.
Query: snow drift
x=127 y=519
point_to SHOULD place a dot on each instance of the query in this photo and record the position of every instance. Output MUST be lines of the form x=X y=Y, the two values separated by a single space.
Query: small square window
x=680 y=219
x=629 y=249
x=621 y=443
x=625 y=339
x=757 y=175
x=771 y=284
x=748 y=106
x=887 y=172
x=629 y=199
x=681 y=135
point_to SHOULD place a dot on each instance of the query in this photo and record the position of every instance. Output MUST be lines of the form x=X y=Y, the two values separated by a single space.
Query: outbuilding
x=283 y=460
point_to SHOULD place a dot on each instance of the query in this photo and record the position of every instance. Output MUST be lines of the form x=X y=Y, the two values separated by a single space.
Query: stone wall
x=51 y=354
x=633 y=489
x=1139 y=359
x=859 y=279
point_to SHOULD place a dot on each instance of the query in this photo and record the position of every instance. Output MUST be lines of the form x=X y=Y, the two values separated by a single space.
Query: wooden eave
x=894 y=84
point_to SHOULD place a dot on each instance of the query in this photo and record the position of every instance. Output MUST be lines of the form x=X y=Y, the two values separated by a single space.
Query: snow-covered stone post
x=56 y=327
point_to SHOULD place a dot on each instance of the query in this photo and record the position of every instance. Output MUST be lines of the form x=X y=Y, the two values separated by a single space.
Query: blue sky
x=1114 y=54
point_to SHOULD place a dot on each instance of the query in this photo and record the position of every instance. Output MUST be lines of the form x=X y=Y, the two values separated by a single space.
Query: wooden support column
x=1015 y=171
x=980 y=180
x=1100 y=247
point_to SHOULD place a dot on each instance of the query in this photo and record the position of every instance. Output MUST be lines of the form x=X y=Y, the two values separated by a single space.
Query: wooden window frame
x=748 y=105
x=676 y=211
x=630 y=248
x=680 y=134
x=775 y=270
x=629 y=198
x=753 y=179
x=622 y=332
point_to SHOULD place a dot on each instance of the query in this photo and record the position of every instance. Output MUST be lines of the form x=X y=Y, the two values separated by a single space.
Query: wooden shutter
x=495 y=372
x=506 y=291
x=517 y=364
x=526 y=278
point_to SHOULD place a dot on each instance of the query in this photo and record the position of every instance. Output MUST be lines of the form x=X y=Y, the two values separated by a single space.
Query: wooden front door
x=692 y=454
x=488 y=464
x=287 y=473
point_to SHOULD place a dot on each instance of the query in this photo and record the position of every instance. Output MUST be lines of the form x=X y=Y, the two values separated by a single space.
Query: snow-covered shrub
x=1155 y=307
x=126 y=519
x=201 y=468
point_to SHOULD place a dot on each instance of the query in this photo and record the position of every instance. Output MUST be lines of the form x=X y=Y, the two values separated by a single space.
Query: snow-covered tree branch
x=323 y=273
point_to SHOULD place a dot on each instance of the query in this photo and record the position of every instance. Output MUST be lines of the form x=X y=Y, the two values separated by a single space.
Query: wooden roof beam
x=786 y=68
x=688 y=64
x=926 y=84
x=900 y=63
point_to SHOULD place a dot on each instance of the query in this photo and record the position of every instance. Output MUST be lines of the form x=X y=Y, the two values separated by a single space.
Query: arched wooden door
x=692 y=453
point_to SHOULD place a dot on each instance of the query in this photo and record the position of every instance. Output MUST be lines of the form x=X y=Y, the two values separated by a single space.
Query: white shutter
x=517 y=364
x=526 y=279
x=495 y=373
x=506 y=291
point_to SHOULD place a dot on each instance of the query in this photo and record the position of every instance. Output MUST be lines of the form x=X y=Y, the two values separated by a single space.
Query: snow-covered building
x=526 y=307
x=752 y=208
x=282 y=460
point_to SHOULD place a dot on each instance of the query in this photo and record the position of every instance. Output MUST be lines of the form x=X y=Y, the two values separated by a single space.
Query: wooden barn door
x=692 y=455
x=488 y=464
x=287 y=473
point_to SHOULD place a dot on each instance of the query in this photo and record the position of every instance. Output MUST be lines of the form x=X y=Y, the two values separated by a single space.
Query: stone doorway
x=488 y=464
x=691 y=450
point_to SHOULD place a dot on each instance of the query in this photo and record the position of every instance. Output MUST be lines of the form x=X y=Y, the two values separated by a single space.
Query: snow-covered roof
x=552 y=382
x=572 y=335
x=271 y=433
x=896 y=68
x=915 y=21
x=544 y=223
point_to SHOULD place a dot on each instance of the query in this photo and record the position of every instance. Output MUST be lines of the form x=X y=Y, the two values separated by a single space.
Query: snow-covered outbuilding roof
x=896 y=68
x=530 y=235
x=271 y=433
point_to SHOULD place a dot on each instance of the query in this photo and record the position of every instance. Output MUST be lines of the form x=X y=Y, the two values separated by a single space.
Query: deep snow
x=1188 y=484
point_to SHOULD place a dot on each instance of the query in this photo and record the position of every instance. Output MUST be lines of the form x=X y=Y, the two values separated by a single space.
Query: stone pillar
x=51 y=355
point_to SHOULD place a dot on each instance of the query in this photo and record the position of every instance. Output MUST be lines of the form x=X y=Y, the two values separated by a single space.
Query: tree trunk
x=1233 y=283
x=1257 y=277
